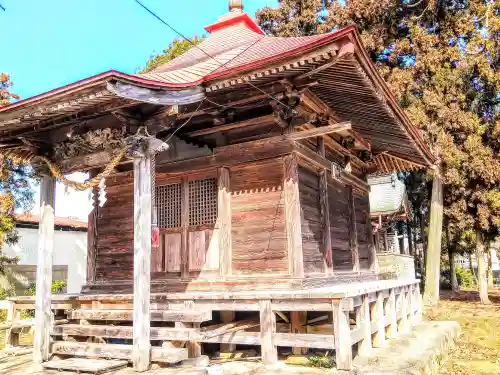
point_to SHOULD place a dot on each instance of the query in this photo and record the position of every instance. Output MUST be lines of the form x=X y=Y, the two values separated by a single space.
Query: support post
x=378 y=315
x=267 y=329
x=433 y=261
x=298 y=320
x=142 y=262
x=44 y=270
x=410 y=238
x=194 y=347
x=365 y=345
x=92 y=232
x=393 y=320
x=418 y=314
x=292 y=217
x=325 y=218
x=353 y=233
x=224 y=212
x=342 y=336
x=411 y=305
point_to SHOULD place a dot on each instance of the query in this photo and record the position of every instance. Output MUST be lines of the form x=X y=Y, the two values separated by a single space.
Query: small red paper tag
x=155 y=237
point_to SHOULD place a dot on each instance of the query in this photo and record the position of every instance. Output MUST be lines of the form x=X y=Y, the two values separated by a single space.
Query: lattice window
x=168 y=205
x=203 y=202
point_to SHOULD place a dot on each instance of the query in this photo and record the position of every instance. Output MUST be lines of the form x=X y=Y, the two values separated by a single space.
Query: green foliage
x=177 y=48
x=326 y=361
x=465 y=278
x=57 y=287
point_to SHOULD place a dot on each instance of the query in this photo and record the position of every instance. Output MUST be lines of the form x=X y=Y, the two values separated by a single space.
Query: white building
x=70 y=250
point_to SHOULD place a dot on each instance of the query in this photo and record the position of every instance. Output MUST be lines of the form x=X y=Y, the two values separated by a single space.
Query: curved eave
x=90 y=82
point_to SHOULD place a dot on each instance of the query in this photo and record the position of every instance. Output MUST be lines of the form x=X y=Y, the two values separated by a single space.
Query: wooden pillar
x=184 y=228
x=227 y=317
x=377 y=314
x=92 y=232
x=325 y=218
x=298 y=320
x=377 y=242
x=353 y=233
x=418 y=313
x=433 y=261
x=365 y=345
x=224 y=219
x=386 y=243
x=392 y=332
x=342 y=336
x=267 y=329
x=142 y=262
x=373 y=250
x=43 y=311
x=292 y=217
x=194 y=347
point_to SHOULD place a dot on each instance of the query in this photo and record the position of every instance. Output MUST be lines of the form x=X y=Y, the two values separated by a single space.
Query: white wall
x=70 y=249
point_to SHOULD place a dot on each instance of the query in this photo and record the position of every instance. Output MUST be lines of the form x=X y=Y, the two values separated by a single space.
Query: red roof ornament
x=234 y=17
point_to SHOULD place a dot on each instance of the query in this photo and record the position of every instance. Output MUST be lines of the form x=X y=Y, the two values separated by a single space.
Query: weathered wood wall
x=363 y=228
x=339 y=227
x=258 y=223
x=312 y=231
x=115 y=231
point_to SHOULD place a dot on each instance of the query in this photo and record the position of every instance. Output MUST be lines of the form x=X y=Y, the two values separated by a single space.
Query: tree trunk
x=490 y=265
x=481 y=269
x=472 y=268
x=451 y=258
x=433 y=261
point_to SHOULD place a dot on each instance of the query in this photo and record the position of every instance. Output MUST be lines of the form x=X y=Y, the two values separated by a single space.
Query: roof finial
x=236 y=5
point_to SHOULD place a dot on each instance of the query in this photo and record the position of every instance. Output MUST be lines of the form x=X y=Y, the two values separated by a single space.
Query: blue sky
x=49 y=43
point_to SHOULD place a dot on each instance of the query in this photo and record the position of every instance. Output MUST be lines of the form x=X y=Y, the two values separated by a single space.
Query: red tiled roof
x=59 y=221
x=236 y=44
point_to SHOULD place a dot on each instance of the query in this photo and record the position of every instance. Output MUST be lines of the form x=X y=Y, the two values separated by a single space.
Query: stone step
x=116 y=351
x=79 y=365
x=126 y=332
x=186 y=316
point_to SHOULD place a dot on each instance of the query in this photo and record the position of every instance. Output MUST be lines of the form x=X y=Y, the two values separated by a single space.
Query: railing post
x=411 y=305
x=342 y=336
x=418 y=313
x=378 y=315
x=365 y=345
x=393 y=321
x=403 y=323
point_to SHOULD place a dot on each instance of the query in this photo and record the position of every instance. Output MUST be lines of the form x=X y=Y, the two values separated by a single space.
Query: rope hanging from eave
x=28 y=157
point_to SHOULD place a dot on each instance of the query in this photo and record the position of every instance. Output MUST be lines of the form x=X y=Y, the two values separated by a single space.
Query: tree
x=15 y=192
x=440 y=59
x=177 y=48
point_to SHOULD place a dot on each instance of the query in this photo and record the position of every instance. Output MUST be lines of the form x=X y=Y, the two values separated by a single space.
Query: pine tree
x=15 y=192
x=441 y=59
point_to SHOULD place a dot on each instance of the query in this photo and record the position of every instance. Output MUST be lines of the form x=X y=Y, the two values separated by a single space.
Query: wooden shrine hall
x=231 y=201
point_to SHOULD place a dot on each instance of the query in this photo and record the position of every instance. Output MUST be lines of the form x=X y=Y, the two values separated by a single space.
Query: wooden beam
x=392 y=332
x=342 y=337
x=353 y=233
x=377 y=314
x=269 y=350
x=43 y=312
x=293 y=217
x=224 y=223
x=264 y=120
x=142 y=262
x=227 y=317
x=318 y=132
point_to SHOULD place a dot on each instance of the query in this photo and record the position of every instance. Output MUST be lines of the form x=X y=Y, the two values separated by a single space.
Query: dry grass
x=478 y=351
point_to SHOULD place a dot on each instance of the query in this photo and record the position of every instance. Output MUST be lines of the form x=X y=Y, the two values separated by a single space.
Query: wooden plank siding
x=363 y=228
x=339 y=227
x=258 y=221
x=312 y=227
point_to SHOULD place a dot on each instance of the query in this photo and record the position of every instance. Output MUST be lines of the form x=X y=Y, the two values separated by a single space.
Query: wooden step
x=79 y=365
x=116 y=351
x=187 y=316
x=121 y=332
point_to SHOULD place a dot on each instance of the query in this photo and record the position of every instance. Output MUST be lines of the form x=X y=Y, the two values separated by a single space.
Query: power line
x=210 y=56
x=1 y=7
